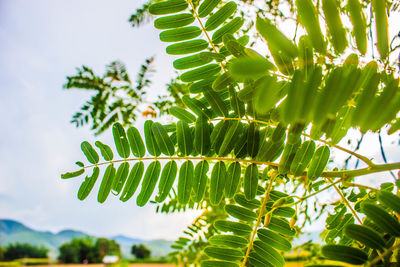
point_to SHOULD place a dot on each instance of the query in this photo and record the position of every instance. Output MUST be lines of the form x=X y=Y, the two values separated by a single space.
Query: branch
x=263 y=205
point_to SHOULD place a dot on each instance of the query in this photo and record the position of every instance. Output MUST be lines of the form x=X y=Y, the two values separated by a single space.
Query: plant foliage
x=253 y=134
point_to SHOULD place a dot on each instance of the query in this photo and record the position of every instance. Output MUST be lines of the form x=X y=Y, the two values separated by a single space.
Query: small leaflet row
x=222 y=139
x=308 y=17
x=377 y=232
x=325 y=105
x=228 y=249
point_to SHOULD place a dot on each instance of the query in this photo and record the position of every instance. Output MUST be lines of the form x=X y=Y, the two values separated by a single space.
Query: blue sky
x=41 y=42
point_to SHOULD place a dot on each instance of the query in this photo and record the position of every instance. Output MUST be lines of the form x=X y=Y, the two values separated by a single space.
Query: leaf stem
x=340 y=174
x=204 y=30
x=384 y=254
x=262 y=208
x=345 y=200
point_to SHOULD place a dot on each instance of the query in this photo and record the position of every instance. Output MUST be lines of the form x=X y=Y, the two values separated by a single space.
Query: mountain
x=12 y=232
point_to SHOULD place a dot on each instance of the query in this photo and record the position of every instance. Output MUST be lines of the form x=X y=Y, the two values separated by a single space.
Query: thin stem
x=345 y=200
x=384 y=254
x=204 y=30
x=259 y=219
x=301 y=199
x=273 y=164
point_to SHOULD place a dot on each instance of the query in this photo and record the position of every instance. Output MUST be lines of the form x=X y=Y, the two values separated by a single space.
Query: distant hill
x=12 y=232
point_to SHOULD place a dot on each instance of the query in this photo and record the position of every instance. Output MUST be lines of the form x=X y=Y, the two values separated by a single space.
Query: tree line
x=78 y=250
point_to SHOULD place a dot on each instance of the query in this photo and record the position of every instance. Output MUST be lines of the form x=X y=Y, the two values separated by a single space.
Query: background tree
x=79 y=250
x=24 y=250
x=141 y=251
x=105 y=247
x=260 y=129
x=2 y=251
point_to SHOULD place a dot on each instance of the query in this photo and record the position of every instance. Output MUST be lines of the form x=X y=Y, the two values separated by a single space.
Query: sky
x=41 y=42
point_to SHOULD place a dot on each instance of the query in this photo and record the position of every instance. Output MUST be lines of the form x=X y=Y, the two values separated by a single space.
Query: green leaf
x=279 y=133
x=215 y=263
x=149 y=183
x=88 y=184
x=229 y=241
x=302 y=158
x=241 y=213
x=120 y=178
x=206 y=7
x=267 y=94
x=68 y=175
x=269 y=151
x=287 y=212
x=250 y=204
x=318 y=162
x=268 y=253
x=200 y=180
x=168 y=176
x=180 y=34
x=335 y=26
x=162 y=138
x=236 y=104
x=136 y=142
x=253 y=139
x=389 y=200
x=105 y=150
x=232 y=179
x=293 y=106
x=229 y=142
x=197 y=87
x=196 y=106
x=200 y=73
x=182 y=114
x=89 y=152
x=218 y=180
x=152 y=146
x=185 y=182
x=289 y=152
x=167 y=7
x=276 y=39
x=193 y=61
x=258 y=261
x=308 y=16
x=281 y=226
x=249 y=68
x=230 y=27
x=274 y=240
x=173 y=21
x=382 y=219
x=202 y=136
x=106 y=184
x=251 y=181
x=365 y=235
x=184 y=138
x=80 y=164
x=216 y=103
x=218 y=134
x=220 y=16
x=236 y=228
x=187 y=47
x=132 y=183
x=344 y=253
x=222 y=81
x=120 y=140
x=223 y=253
